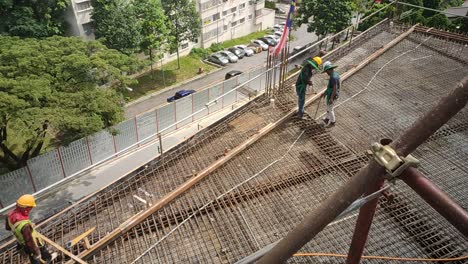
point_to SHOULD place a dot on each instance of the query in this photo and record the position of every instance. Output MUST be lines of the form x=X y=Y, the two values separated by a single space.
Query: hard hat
x=325 y=64
x=328 y=66
x=26 y=200
x=318 y=60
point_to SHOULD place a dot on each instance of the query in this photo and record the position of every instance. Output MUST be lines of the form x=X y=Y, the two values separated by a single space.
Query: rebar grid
x=265 y=209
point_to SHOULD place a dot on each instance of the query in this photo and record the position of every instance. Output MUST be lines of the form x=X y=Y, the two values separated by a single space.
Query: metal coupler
x=387 y=157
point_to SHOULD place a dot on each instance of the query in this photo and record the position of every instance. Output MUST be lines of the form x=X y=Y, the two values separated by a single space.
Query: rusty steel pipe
x=329 y=209
x=363 y=225
x=437 y=199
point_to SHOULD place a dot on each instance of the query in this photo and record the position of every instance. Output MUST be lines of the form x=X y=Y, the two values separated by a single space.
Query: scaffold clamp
x=387 y=157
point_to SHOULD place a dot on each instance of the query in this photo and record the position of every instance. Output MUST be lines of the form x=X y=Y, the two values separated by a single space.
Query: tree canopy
x=323 y=16
x=185 y=23
x=56 y=90
x=30 y=18
x=130 y=26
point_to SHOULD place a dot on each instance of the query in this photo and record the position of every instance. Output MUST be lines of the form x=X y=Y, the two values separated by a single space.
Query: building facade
x=78 y=17
x=228 y=19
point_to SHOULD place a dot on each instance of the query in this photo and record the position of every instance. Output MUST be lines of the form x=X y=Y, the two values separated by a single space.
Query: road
x=301 y=38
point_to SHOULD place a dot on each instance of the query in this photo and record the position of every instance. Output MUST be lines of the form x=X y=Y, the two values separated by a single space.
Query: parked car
x=279 y=11
x=279 y=34
x=180 y=94
x=256 y=48
x=248 y=51
x=275 y=39
x=231 y=74
x=268 y=41
x=282 y=23
x=260 y=44
x=278 y=27
x=218 y=59
x=238 y=52
x=231 y=57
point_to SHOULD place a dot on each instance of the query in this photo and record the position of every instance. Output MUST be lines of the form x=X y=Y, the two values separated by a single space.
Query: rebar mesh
x=264 y=209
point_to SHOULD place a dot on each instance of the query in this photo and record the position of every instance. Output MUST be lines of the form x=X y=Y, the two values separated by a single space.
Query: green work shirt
x=334 y=79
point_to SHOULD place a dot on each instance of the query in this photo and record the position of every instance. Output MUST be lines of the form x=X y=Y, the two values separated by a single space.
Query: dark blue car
x=180 y=94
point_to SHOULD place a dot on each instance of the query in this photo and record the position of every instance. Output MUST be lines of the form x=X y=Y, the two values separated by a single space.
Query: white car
x=248 y=51
x=260 y=44
x=232 y=58
x=278 y=28
x=274 y=37
x=279 y=34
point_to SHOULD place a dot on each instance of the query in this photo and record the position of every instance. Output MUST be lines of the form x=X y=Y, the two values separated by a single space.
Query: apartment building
x=78 y=17
x=227 y=19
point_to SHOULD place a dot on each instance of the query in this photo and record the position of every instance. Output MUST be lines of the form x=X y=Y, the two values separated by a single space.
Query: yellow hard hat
x=26 y=200
x=318 y=60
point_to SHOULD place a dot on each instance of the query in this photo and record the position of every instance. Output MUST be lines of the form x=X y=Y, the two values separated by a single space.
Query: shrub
x=199 y=53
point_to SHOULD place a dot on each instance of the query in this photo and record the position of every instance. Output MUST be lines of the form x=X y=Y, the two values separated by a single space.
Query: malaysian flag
x=287 y=28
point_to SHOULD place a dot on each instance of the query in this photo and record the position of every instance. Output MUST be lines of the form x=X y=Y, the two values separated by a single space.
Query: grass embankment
x=157 y=79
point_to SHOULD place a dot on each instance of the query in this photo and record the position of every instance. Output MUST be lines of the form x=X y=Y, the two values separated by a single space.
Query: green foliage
x=50 y=89
x=115 y=24
x=270 y=4
x=434 y=4
x=328 y=16
x=377 y=17
x=30 y=18
x=155 y=34
x=185 y=23
x=216 y=47
x=439 y=21
x=199 y=53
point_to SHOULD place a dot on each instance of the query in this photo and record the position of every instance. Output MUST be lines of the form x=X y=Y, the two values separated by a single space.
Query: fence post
x=160 y=144
x=175 y=115
x=136 y=131
x=115 y=145
x=89 y=150
x=157 y=120
x=61 y=162
x=193 y=117
x=31 y=178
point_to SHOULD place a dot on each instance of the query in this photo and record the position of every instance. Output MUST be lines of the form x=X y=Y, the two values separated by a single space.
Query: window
x=209 y=4
x=216 y=16
x=242 y=6
x=184 y=46
x=233 y=24
x=225 y=13
x=83 y=5
x=88 y=28
x=234 y=9
x=242 y=20
x=250 y=16
x=225 y=27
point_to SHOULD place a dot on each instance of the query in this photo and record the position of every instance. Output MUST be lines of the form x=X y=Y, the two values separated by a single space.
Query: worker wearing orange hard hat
x=23 y=229
x=304 y=79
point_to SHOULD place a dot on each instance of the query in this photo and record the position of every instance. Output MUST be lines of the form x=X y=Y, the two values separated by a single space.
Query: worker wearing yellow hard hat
x=304 y=79
x=23 y=229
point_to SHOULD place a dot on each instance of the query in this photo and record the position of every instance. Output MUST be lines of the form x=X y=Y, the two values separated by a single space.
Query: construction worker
x=332 y=93
x=304 y=79
x=23 y=229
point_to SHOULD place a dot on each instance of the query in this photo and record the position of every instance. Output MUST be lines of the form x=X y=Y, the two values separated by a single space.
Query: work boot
x=325 y=121
x=330 y=125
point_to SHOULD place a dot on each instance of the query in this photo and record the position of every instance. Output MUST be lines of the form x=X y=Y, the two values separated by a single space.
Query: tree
x=434 y=4
x=116 y=24
x=155 y=34
x=56 y=90
x=323 y=16
x=31 y=18
x=185 y=23
x=377 y=17
x=439 y=21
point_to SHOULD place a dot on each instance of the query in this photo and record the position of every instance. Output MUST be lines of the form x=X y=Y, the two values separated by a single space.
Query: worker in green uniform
x=304 y=79
x=332 y=93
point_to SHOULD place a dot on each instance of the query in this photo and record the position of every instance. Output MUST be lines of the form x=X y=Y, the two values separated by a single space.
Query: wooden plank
x=136 y=219
x=64 y=251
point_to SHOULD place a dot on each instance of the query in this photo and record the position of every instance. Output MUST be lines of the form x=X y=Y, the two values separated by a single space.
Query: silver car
x=275 y=39
x=260 y=44
x=218 y=59
x=248 y=51
x=232 y=58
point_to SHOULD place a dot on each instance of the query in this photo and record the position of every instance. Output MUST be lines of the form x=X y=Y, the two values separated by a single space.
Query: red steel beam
x=437 y=199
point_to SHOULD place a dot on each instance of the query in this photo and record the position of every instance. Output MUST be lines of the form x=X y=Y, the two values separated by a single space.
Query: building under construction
x=247 y=181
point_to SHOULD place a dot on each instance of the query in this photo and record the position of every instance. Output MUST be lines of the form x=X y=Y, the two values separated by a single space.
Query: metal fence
x=53 y=168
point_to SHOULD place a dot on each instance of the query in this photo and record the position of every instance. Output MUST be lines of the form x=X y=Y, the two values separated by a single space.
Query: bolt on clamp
x=387 y=157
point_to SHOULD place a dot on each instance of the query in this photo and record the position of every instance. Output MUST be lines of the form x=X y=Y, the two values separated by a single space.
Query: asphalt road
x=301 y=38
